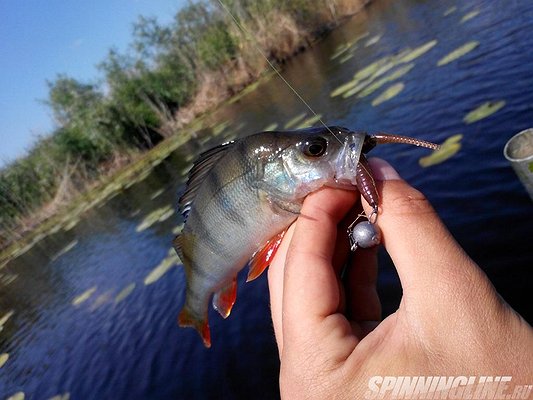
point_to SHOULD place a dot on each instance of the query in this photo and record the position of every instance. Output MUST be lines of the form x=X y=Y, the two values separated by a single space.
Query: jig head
x=366 y=234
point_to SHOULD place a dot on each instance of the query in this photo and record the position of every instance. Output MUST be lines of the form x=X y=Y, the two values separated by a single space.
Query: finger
x=275 y=286
x=342 y=254
x=310 y=287
x=363 y=299
x=422 y=249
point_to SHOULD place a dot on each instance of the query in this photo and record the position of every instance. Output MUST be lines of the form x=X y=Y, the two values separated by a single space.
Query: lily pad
x=17 y=396
x=294 y=121
x=218 y=129
x=373 y=40
x=64 y=250
x=417 y=52
x=371 y=69
x=344 y=87
x=124 y=293
x=177 y=229
x=339 y=51
x=3 y=359
x=310 y=121
x=5 y=318
x=356 y=89
x=483 y=111
x=400 y=72
x=469 y=16
x=164 y=266
x=101 y=300
x=7 y=278
x=84 y=296
x=344 y=47
x=157 y=193
x=166 y=215
x=458 y=53
x=447 y=150
x=346 y=57
x=388 y=94
x=270 y=127
x=450 y=10
x=65 y=396
x=159 y=215
x=71 y=224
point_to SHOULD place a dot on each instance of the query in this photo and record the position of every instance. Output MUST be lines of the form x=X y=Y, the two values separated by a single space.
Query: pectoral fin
x=187 y=318
x=224 y=299
x=262 y=258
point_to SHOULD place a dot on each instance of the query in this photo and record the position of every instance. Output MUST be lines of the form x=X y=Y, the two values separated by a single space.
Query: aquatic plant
x=295 y=120
x=159 y=215
x=450 y=10
x=17 y=396
x=365 y=80
x=483 y=111
x=157 y=193
x=388 y=94
x=448 y=149
x=458 y=53
x=270 y=127
x=125 y=293
x=170 y=74
x=64 y=396
x=3 y=359
x=469 y=16
x=84 y=296
x=64 y=250
x=177 y=229
x=309 y=121
x=412 y=55
x=171 y=260
x=5 y=318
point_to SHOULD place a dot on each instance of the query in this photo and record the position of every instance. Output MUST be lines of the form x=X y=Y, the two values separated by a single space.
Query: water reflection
x=122 y=340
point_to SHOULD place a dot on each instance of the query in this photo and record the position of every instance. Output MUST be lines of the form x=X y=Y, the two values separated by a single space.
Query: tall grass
x=170 y=74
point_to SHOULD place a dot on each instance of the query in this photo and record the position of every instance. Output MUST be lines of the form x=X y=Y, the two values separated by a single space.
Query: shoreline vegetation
x=148 y=102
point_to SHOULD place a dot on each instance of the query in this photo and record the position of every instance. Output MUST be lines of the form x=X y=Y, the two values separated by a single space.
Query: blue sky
x=40 y=39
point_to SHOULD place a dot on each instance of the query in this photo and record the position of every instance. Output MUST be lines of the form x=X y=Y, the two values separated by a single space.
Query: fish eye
x=315 y=147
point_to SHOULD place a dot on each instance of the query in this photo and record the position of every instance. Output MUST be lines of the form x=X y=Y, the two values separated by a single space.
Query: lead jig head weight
x=364 y=234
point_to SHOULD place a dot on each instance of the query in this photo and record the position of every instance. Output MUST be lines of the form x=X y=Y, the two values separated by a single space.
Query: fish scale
x=242 y=196
x=228 y=205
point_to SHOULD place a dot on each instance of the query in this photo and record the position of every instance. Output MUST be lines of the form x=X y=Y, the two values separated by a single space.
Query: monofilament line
x=258 y=48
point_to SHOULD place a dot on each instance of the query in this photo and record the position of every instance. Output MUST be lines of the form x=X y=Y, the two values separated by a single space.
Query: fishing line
x=258 y=48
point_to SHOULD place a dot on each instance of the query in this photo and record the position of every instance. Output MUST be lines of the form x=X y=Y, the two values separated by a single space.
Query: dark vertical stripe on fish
x=222 y=195
x=203 y=229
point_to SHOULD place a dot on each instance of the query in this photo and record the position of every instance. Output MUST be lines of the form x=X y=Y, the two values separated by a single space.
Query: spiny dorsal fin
x=197 y=174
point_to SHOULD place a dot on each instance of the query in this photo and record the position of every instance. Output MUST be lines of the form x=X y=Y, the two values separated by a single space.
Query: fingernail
x=382 y=170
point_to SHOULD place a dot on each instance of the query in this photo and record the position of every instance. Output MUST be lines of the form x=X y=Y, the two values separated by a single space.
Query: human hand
x=451 y=321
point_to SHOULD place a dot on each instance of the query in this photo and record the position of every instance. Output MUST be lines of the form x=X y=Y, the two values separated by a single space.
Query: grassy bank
x=146 y=104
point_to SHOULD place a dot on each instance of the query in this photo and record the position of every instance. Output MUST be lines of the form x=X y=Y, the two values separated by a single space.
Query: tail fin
x=186 y=318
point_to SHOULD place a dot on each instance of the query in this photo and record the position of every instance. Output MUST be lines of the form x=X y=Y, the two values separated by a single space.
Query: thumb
x=427 y=257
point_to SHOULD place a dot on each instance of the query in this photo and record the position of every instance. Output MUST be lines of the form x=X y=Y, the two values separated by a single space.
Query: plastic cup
x=519 y=151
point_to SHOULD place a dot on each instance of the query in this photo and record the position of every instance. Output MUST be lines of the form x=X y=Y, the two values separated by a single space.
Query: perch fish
x=242 y=196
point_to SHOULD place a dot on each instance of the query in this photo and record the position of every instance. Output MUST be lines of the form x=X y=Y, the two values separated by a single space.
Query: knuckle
x=407 y=201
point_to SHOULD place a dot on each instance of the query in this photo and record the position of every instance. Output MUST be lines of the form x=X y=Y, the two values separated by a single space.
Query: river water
x=83 y=312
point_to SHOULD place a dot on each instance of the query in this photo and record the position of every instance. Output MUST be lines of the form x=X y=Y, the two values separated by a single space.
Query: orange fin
x=224 y=299
x=186 y=318
x=262 y=258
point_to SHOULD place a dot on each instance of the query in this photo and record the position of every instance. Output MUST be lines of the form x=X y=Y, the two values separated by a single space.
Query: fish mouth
x=346 y=163
x=345 y=184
